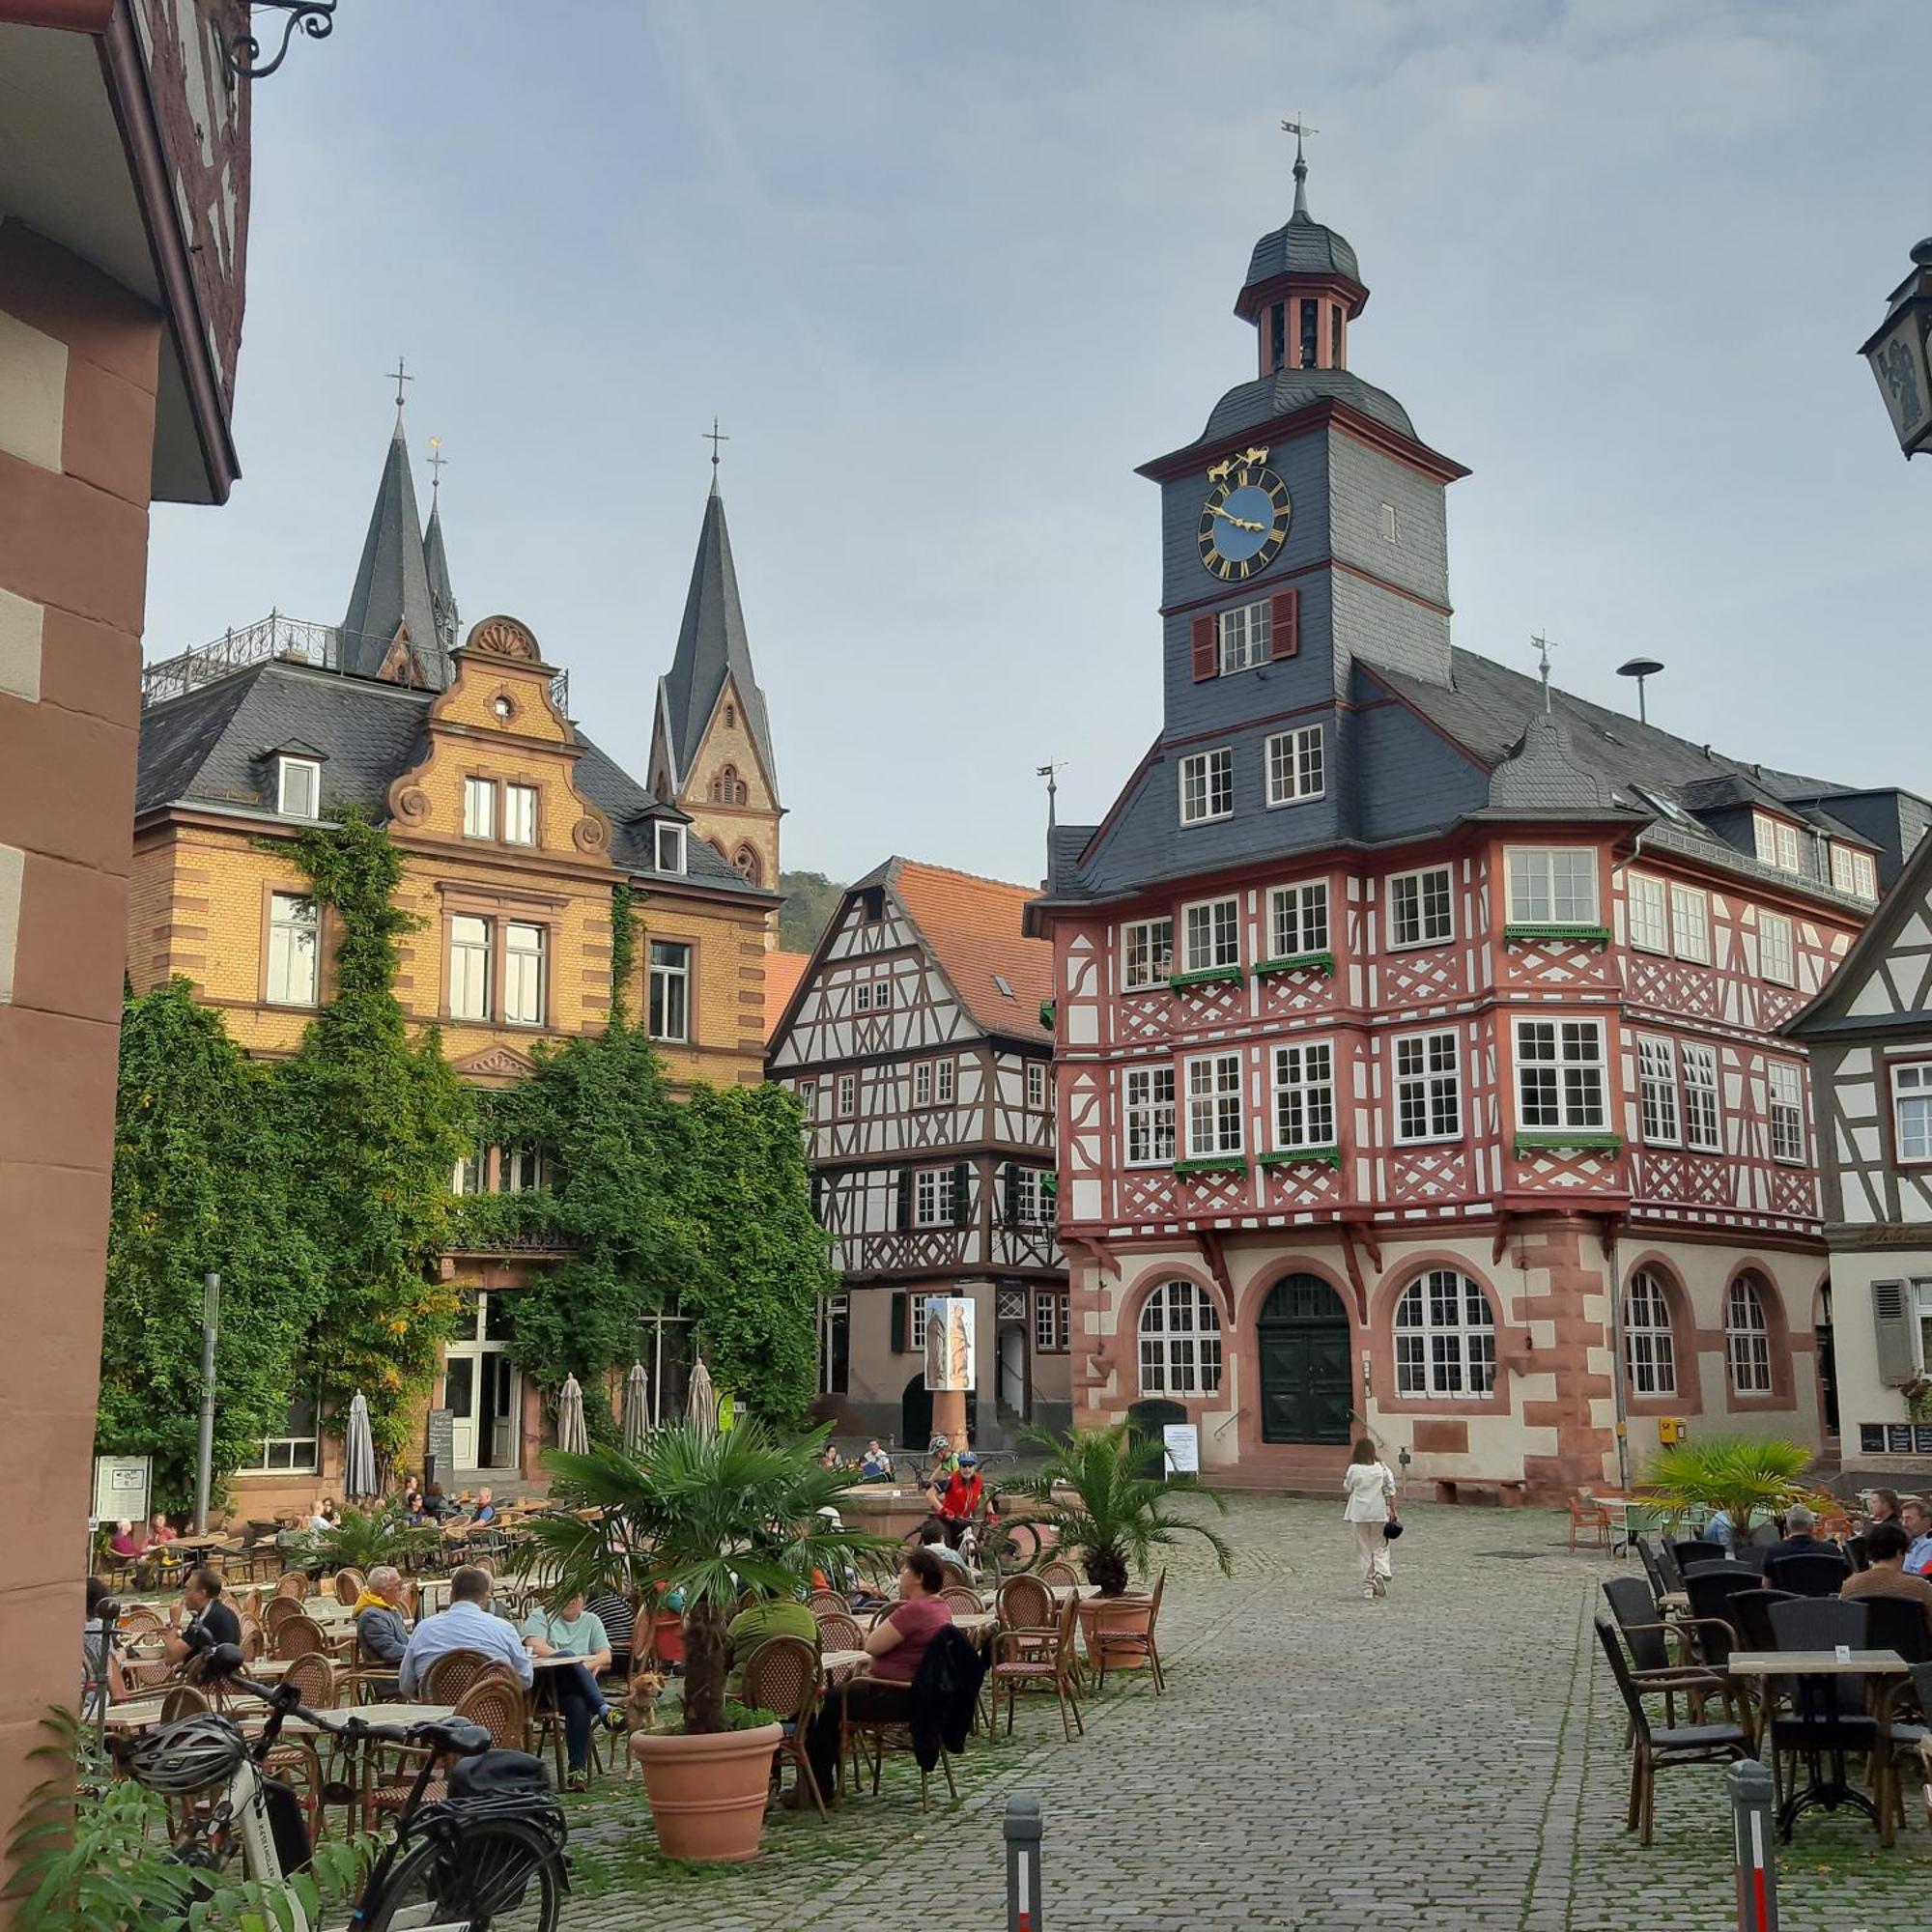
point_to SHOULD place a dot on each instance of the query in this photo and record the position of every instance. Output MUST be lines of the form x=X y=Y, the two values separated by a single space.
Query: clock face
x=1244 y=520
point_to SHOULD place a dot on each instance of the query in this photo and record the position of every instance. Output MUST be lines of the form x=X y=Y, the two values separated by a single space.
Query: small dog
x=640 y=1708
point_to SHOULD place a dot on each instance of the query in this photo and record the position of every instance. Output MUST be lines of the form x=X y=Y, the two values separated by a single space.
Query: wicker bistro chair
x=1059 y=1574
x=456 y=1672
x=1021 y=1663
x=348 y=1585
x=279 y=1610
x=838 y=1630
x=829 y=1602
x=782 y=1677
x=1809 y=1572
x=300 y=1636
x=1855 y=1553
x=495 y=1702
x=876 y=1737
x=1712 y=1590
x=1126 y=1646
x=183 y=1700
x=965 y=1601
x=315 y=1678
x=1655 y=1748
x=1896 y=1624
x=293 y=1585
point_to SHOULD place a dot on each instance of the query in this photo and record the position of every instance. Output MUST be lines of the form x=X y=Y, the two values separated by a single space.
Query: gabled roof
x=1909 y=897
x=391 y=588
x=782 y=973
x=712 y=646
x=973 y=929
x=436 y=563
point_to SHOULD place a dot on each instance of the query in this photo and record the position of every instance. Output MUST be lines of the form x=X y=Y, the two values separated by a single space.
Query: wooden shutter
x=962 y=1180
x=818 y=1197
x=1207 y=649
x=906 y=1198
x=1286 y=624
x=1009 y=1194
x=1892 y=1332
x=898 y=1321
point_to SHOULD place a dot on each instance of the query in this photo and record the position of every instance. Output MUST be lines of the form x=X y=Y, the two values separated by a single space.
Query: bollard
x=1751 y=1787
x=1022 y=1829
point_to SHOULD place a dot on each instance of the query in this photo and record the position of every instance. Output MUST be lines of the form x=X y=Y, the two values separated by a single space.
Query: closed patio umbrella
x=359 y=1452
x=637 y=1410
x=701 y=1403
x=572 y=1436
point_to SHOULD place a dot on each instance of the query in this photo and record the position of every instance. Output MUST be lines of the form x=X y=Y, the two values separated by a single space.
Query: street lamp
x=1896 y=353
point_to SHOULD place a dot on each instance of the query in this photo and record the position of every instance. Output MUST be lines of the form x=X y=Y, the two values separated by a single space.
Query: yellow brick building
x=514 y=829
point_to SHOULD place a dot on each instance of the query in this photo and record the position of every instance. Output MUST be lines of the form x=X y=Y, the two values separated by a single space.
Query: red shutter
x=1286 y=624
x=1206 y=651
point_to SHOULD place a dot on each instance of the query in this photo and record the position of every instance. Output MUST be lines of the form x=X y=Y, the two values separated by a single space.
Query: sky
x=946 y=276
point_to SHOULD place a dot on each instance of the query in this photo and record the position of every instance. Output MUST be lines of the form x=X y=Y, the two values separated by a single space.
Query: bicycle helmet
x=188 y=1756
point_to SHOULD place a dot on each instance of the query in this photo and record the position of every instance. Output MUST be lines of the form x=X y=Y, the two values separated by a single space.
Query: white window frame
x=1296 y=765
x=1036 y=1084
x=1391 y=526
x=1646 y=907
x=1216 y=1107
x=1146 y=1111
x=1788 y=846
x=1570 y=1067
x=933 y=1189
x=1303 y=1089
x=292 y=1462
x=915 y=1323
x=1702 y=1112
x=1415 y=885
x=1428 y=1087
x=1050 y=1322
x=1686 y=900
x=1747 y=1339
x=1657 y=1117
x=519 y=815
x=1297 y=919
x=1778 y=962
x=521 y=1167
x=1865 y=870
x=1244 y=636
x=1179 y=1335
x=1538 y=896
x=1146 y=954
x=1206 y=777
x=1764 y=837
x=846 y=1097
x=1650 y=1345
x=922 y=1082
x=861 y=996
x=479 y=807
x=667 y=981
x=307 y=775
x=1444 y=1350
x=526 y=971
x=669 y=849
x=1032 y=1207
x=472 y=967
x=944 y=1082
x=1219 y=924
x=1784 y=1109
x=295 y=950
x=1912 y=1089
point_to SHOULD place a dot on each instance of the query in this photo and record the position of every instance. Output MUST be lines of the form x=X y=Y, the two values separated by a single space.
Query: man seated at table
x=159 y=1530
x=750 y=1631
x=486 y=1510
x=382 y=1629
x=876 y=1465
x=467 y=1625
x=620 y=1623
x=210 y=1621
x=1799 y=1540
x=100 y=1679
x=1915 y=1518
x=933 y=1537
x=1885 y=1546
x=127 y=1541
x=575 y=1632
x=897 y=1646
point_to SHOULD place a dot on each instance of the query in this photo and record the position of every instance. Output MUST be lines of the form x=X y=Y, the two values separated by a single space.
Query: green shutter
x=906 y=1198
x=1891 y=1333
x=962 y=1182
x=1009 y=1194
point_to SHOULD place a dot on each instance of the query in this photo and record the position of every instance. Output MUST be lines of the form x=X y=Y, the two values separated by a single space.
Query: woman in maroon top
x=897 y=1646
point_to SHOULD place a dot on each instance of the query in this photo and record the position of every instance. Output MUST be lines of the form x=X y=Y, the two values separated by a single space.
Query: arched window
x=1746 y=1338
x=745 y=860
x=727 y=788
x=1648 y=1349
x=1445 y=1337
x=1180 y=1341
x=730 y=715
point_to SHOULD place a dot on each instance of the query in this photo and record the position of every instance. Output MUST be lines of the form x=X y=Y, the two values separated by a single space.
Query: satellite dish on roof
x=1640 y=668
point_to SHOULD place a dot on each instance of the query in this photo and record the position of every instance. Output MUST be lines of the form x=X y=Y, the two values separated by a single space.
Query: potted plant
x=1095 y=1491
x=365 y=1538
x=708 y=1513
x=1741 y=1475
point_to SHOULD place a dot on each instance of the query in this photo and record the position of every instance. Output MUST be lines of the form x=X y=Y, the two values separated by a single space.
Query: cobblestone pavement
x=1451 y=1758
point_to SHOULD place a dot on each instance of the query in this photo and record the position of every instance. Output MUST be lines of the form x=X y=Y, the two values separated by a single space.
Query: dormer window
x=668 y=848
x=1852 y=872
x=298 y=787
x=1776 y=842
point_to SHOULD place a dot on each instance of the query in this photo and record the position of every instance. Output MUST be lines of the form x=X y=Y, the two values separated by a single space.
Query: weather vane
x=436 y=458
x=1047 y=773
x=1543 y=646
x=1301 y=129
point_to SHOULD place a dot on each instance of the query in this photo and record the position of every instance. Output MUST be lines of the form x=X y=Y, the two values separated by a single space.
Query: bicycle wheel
x=495 y=1877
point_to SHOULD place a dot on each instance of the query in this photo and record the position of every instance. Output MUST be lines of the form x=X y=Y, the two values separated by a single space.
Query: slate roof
x=1302 y=246
x=206 y=749
x=712 y=645
x=436 y=563
x=1286 y=390
x=973 y=929
x=392 y=581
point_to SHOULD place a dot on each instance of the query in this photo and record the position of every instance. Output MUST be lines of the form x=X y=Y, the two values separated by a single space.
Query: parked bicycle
x=488 y=1857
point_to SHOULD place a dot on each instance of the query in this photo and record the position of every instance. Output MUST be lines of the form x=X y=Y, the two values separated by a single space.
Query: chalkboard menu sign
x=1921 y=1438
x=1898 y=1438
x=1871 y=1439
x=440 y=1447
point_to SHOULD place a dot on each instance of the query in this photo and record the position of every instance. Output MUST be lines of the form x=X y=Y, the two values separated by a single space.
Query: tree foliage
x=810 y=898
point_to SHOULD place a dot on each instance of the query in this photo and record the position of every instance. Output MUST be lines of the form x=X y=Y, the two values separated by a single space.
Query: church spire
x=1299 y=128
x=442 y=599
x=389 y=629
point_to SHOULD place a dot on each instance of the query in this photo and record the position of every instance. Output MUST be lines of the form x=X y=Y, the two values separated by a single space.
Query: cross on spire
x=436 y=458
x=1301 y=129
x=714 y=436
x=399 y=377
x=1543 y=646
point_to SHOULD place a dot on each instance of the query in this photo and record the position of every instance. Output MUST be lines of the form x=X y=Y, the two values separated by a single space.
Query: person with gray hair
x=382 y=1629
x=1799 y=1540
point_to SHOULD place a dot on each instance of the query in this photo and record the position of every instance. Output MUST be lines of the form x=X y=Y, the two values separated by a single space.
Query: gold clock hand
x=1239 y=523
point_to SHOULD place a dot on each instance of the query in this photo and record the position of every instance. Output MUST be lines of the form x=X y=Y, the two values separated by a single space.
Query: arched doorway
x=915 y=1415
x=1827 y=1362
x=1303 y=1336
x=1013 y=1371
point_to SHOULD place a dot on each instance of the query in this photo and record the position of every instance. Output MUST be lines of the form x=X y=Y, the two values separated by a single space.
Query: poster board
x=1181 y=1442
x=121 y=1486
x=949 y=1342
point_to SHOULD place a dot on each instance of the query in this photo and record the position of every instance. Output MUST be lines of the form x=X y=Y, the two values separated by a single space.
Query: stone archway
x=1301 y=1338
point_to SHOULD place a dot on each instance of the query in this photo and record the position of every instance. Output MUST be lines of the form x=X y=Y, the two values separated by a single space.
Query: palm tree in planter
x=365 y=1538
x=708 y=1514
x=1741 y=1475
x=1092 y=1489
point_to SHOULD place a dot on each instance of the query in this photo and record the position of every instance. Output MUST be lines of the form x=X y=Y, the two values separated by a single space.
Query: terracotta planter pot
x=669 y=1639
x=1115 y=1613
x=708 y=1793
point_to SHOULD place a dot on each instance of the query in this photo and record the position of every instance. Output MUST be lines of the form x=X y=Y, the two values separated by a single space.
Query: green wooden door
x=1307 y=1385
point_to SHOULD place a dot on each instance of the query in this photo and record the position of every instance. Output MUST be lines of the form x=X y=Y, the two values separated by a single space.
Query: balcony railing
x=505 y=1224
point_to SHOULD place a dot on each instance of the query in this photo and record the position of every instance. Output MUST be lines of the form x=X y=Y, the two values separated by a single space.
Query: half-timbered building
x=1416 y=1020
x=1869 y=1038
x=913 y=1040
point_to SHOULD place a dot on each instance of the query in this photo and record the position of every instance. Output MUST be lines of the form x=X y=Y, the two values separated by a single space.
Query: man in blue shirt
x=1915 y=1518
x=467 y=1625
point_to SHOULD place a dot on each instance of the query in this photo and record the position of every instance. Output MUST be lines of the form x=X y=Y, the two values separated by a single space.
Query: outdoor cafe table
x=839 y=1665
x=1811 y=1667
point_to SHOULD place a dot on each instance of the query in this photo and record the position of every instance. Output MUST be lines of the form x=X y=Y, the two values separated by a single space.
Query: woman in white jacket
x=1371 y=1507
